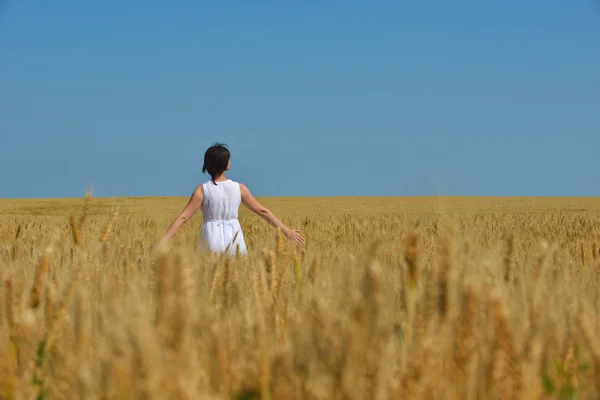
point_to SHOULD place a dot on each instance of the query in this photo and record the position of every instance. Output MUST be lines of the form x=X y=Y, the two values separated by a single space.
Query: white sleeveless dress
x=220 y=218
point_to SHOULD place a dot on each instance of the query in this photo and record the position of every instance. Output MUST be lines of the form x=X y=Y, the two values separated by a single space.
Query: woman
x=219 y=200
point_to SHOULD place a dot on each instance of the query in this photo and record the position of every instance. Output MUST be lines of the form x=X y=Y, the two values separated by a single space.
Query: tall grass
x=389 y=299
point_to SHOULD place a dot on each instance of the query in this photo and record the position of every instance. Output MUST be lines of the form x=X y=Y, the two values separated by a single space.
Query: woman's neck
x=220 y=178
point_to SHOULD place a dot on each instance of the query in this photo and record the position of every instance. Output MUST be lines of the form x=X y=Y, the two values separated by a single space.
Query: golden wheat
x=449 y=298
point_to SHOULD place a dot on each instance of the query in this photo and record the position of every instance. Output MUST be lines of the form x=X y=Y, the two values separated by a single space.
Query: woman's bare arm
x=253 y=205
x=190 y=209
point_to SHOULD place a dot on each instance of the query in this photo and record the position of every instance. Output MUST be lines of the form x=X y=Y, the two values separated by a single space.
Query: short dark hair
x=216 y=159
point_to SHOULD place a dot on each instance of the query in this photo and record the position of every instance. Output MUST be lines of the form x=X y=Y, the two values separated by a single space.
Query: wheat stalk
x=34 y=299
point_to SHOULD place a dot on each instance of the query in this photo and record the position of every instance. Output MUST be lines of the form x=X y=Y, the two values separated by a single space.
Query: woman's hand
x=158 y=244
x=294 y=234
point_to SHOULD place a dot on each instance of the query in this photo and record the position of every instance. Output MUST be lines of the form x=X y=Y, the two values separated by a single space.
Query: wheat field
x=390 y=298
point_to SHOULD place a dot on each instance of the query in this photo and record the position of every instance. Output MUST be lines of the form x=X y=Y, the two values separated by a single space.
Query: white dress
x=220 y=218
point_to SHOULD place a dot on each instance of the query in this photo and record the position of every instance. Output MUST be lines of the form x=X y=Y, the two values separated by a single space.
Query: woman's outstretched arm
x=253 y=205
x=190 y=209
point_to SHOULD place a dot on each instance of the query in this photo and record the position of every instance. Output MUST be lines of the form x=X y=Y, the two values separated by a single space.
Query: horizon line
x=320 y=197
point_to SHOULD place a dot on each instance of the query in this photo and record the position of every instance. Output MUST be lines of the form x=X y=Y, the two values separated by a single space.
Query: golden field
x=390 y=298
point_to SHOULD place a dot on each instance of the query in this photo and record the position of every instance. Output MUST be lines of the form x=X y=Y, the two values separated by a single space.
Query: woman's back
x=221 y=200
x=221 y=229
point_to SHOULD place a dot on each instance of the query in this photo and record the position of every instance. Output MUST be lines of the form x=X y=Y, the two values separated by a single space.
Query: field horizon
x=558 y=197
x=315 y=205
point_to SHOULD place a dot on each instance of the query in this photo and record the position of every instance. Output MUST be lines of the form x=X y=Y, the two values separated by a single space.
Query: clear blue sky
x=463 y=97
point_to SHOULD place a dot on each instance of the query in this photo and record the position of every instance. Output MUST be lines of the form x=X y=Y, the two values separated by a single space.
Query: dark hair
x=216 y=159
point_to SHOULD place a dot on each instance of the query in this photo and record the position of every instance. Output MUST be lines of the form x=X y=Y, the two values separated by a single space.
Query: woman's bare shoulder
x=243 y=188
x=199 y=190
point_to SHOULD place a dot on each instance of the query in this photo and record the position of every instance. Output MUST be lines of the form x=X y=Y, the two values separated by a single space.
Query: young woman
x=219 y=200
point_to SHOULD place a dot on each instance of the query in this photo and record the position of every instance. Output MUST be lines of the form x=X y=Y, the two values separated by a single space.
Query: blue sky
x=316 y=98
